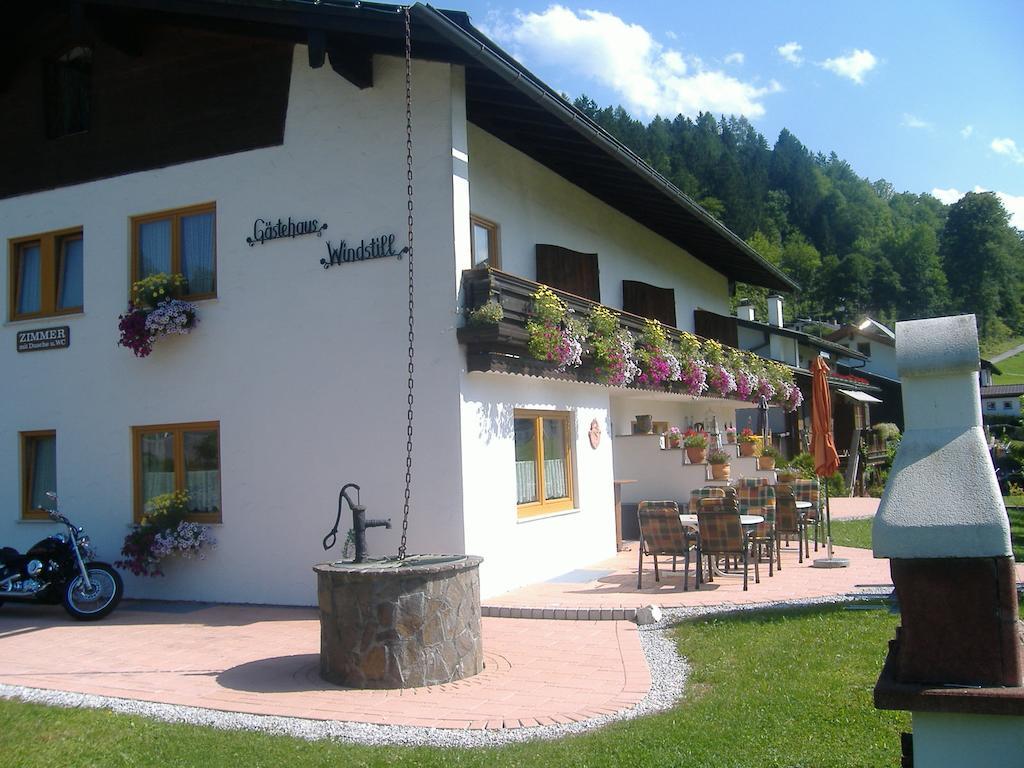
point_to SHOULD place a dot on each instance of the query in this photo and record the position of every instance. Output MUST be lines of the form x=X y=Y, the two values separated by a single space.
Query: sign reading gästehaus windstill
x=44 y=338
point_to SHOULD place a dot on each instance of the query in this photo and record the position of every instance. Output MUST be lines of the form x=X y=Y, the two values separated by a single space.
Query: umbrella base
x=830 y=562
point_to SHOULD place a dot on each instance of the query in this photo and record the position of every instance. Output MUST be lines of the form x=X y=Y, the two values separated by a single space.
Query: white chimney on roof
x=745 y=310
x=775 y=310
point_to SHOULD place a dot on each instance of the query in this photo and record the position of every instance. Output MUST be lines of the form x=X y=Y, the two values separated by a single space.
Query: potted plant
x=155 y=310
x=788 y=473
x=696 y=444
x=769 y=455
x=675 y=437
x=730 y=435
x=719 y=461
x=164 y=531
x=747 y=440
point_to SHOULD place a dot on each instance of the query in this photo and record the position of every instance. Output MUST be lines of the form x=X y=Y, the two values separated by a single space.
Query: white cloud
x=913 y=121
x=735 y=58
x=853 y=66
x=791 y=53
x=670 y=34
x=947 y=196
x=1014 y=204
x=966 y=131
x=1009 y=148
x=649 y=77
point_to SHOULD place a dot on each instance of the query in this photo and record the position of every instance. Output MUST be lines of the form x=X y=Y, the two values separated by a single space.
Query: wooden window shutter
x=569 y=271
x=649 y=301
x=723 y=328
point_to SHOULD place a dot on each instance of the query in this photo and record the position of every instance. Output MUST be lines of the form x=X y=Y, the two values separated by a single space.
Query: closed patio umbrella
x=762 y=421
x=823 y=446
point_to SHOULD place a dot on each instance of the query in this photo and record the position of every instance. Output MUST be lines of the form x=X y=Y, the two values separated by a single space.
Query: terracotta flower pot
x=787 y=477
x=674 y=442
x=766 y=462
x=720 y=471
x=746 y=449
x=696 y=455
x=730 y=437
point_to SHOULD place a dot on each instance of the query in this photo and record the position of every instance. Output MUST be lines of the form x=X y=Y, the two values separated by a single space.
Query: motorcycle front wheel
x=96 y=601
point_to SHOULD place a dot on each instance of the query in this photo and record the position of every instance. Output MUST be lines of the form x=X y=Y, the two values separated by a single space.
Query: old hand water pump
x=359 y=523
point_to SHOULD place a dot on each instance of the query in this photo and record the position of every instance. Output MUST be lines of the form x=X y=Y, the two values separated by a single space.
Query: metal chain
x=409 y=256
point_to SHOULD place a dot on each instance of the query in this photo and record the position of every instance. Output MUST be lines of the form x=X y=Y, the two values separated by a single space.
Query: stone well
x=400 y=624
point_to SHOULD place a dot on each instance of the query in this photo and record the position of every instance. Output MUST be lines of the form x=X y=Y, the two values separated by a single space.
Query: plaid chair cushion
x=786 y=518
x=720 y=529
x=808 y=490
x=661 y=532
x=708 y=492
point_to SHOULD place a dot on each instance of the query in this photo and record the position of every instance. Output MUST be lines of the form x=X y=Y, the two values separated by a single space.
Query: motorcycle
x=60 y=569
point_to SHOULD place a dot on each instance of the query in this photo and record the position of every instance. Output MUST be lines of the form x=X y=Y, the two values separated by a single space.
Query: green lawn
x=1012 y=370
x=852 y=533
x=766 y=689
x=991 y=349
x=857 y=533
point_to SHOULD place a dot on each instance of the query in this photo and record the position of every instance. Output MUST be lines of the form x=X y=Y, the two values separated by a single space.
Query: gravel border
x=669 y=672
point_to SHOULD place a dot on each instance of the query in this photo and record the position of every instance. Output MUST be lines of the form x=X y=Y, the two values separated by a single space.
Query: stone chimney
x=775 y=310
x=745 y=310
x=957 y=657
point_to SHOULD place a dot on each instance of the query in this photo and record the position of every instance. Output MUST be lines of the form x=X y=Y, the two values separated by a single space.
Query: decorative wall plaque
x=595 y=434
x=44 y=338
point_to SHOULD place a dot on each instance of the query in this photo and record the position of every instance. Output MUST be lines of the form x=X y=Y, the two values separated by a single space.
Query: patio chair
x=755 y=497
x=721 y=534
x=809 y=491
x=707 y=492
x=662 y=533
x=788 y=523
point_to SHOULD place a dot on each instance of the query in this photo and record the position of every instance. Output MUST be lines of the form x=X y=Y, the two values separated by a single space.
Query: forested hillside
x=855 y=246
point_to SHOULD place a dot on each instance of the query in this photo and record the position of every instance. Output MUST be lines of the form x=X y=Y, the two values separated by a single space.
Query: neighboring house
x=852 y=395
x=878 y=343
x=875 y=342
x=210 y=139
x=1001 y=400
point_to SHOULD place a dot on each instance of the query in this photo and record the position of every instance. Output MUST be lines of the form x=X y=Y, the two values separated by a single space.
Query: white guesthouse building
x=165 y=141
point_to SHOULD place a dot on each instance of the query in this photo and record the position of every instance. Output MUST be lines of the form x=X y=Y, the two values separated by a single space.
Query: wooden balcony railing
x=502 y=346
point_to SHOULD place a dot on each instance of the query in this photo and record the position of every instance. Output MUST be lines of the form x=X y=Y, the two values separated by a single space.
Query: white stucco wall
x=883 y=356
x=518 y=551
x=304 y=368
x=532 y=204
x=946 y=740
x=1000 y=406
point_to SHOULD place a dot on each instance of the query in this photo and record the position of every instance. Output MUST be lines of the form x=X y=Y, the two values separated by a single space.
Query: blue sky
x=929 y=95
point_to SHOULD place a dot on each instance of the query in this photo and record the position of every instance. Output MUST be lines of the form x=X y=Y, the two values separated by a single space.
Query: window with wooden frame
x=179 y=457
x=178 y=242
x=543 y=444
x=484 y=243
x=45 y=275
x=38 y=473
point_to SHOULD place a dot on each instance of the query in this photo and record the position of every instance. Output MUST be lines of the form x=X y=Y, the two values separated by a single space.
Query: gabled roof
x=1003 y=390
x=503 y=98
x=869 y=328
x=825 y=345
